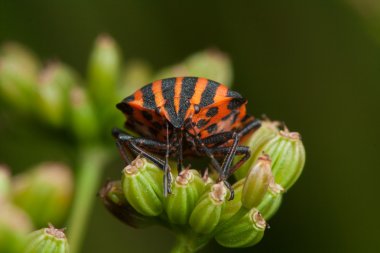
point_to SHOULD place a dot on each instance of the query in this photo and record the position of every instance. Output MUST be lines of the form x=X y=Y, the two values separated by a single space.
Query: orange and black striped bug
x=186 y=116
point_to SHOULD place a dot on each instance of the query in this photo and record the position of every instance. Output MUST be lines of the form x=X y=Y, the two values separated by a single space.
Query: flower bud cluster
x=200 y=206
x=196 y=203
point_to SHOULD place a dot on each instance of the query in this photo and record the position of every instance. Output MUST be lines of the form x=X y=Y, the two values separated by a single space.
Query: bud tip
x=57 y=233
x=184 y=177
x=218 y=192
x=258 y=220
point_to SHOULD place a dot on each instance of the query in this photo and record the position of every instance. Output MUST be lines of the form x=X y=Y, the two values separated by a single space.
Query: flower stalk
x=90 y=167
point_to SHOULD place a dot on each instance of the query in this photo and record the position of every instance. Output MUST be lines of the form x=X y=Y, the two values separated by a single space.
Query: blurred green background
x=313 y=64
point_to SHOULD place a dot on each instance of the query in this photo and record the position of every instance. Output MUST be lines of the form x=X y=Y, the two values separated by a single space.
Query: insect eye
x=196 y=108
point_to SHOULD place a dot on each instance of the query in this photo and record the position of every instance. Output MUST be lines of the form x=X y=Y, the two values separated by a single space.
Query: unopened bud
x=5 y=183
x=271 y=201
x=212 y=64
x=257 y=182
x=186 y=190
x=53 y=90
x=143 y=187
x=104 y=70
x=114 y=200
x=285 y=149
x=288 y=155
x=267 y=131
x=18 y=76
x=136 y=74
x=234 y=205
x=83 y=117
x=47 y=240
x=207 y=212
x=45 y=192
x=245 y=232
x=14 y=226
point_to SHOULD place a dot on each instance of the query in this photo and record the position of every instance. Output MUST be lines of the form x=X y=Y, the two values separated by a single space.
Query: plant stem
x=189 y=242
x=91 y=163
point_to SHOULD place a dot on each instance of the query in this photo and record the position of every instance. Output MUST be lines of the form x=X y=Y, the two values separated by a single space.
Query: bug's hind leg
x=129 y=145
x=229 y=154
x=226 y=166
x=254 y=124
x=240 y=150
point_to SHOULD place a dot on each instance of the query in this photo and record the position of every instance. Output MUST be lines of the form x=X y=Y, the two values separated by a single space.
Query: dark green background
x=313 y=64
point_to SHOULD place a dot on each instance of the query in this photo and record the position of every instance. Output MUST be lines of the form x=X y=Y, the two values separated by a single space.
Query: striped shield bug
x=181 y=116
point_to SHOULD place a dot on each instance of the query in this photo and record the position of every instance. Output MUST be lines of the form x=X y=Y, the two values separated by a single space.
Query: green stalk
x=189 y=242
x=90 y=167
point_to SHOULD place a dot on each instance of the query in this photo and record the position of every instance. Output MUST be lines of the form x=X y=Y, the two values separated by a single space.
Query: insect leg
x=226 y=166
x=229 y=153
x=127 y=144
x=218 y=139
x=240 y=150
x=229 y=157
x=248 y=127
x=227 y=170
x=180 y=151
x=202 y=147
x=167 y=175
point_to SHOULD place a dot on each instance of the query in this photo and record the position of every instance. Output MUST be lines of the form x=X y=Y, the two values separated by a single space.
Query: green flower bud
x=114 y=200
x=5 y=182
x=257 y=182
x=186 y=190
x=246 y=232
x=272 y=201
x=83 y=115
x=47 y=240
x=44 y=192
x=113 y=192
x=267 y=131
x=210 y=63
x=285 y=149
x=104 y=71
x=207 y=212
x=18 y=76
x=136 y=74
x=143 y=187
x=53 y=91
x=14 y=226
x=208 y=182
x=233 y=206
x=288 y=156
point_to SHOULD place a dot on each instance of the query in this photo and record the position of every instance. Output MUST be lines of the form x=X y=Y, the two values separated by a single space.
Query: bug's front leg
x=138 y=146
